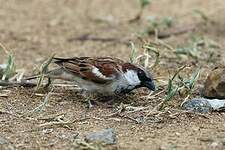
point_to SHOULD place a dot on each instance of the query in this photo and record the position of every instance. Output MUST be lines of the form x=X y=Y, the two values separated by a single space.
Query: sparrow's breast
x=122 y=85
x=118 y=86
x=92 y=87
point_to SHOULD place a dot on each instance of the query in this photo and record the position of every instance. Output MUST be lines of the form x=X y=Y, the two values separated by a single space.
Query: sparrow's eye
x=141 y=75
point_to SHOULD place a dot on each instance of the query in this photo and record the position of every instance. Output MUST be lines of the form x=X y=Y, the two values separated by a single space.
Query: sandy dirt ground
x=35 y=29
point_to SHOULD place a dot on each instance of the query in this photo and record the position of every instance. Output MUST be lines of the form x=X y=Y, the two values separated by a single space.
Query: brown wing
x=105 y=68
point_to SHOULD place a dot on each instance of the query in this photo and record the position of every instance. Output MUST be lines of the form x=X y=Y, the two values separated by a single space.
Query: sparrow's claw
x=89 y=103
x=88 y=99
x=48 y=83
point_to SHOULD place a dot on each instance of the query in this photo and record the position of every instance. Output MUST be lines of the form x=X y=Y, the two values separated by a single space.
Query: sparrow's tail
x=58 y=73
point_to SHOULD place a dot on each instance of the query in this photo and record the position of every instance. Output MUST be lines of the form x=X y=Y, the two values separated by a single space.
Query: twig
x=51 y=117
x=3 y=95
x=63 y=122
x=154 y=95
x=42 y=105
x=87 y=146
x=131 y=109
x=23 y=83
x=155 y=109
x=9 y=113
x=88 y=37
x=26 y=83
x=130 y=118
x=160 y=34
x=159 y=42
x=112 y=114
x=4 y=48
x=18 y=115
x=136 y=18
x=176 y=31
x=55 y=123
x=65 y=85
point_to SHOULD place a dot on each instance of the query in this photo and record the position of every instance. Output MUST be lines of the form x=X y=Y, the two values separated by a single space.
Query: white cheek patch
x=99 y=74
x=132 y=77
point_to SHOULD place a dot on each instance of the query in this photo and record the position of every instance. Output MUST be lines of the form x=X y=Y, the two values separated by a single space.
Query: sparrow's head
x=138 y=76
x=145 y=79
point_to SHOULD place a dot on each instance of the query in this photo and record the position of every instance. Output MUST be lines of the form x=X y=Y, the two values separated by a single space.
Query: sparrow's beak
x=150 y=85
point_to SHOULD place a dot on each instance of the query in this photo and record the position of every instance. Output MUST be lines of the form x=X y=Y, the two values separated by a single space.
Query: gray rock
x=106 y=136
x=215 y=83
x=197 y=105
x=217 y=104
x=3 y=140
x=2 y=67
x=203 y=105
x=217 y=145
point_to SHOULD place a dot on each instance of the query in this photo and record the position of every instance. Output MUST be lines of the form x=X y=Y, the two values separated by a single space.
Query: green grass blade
x=157 y=55
x=133 y=53
x=193 y=79
x=43 y=71
x=10 y=69
x=144 y=3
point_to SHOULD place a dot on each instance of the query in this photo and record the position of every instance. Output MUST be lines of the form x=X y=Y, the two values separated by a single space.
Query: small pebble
x=69 y=136
x=178 y=134
x=106 y=136
x=141 y=139
x=197 y=105
x=3 y=140
x=47 y=131
x=216 y=146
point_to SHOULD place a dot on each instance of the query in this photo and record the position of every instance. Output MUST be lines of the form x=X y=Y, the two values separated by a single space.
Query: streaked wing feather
x=99 y=70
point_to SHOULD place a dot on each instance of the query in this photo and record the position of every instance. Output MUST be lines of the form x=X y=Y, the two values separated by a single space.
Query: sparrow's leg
x=88 y=100
x=48 y=83
x=88 y=97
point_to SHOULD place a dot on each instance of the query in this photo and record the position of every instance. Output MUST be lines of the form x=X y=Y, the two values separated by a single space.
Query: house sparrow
x=102 y=75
